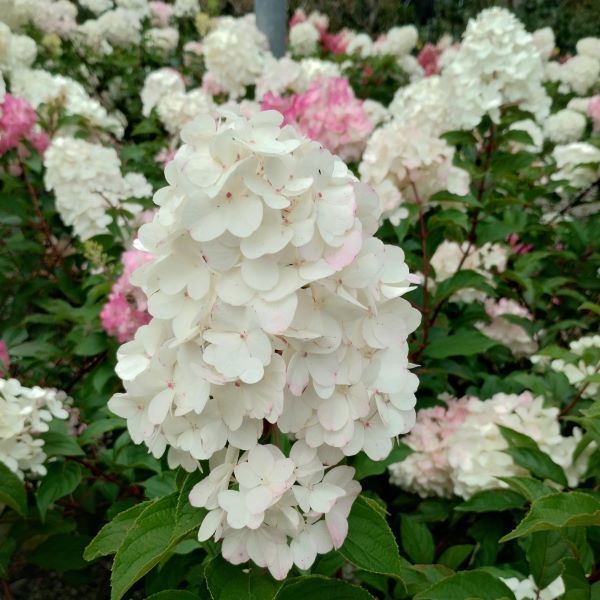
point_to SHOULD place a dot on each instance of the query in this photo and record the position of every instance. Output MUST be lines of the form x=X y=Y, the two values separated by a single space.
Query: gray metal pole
x=271 y=19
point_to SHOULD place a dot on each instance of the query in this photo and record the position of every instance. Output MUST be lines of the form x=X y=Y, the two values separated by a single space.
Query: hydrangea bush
x=319 y=325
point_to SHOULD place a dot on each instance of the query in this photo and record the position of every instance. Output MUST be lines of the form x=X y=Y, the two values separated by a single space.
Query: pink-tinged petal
x=334 y=413
x=297 y=375
x=337 y=525
x=342 y=257
x=304 y=550
x=324 y=496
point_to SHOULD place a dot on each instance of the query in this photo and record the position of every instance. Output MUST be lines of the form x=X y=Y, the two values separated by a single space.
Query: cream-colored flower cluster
x=460 y=450
x=24 y=414
x=273 y=307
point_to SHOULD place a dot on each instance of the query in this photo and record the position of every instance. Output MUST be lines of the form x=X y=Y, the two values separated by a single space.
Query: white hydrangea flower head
x=280 y=76
x=584 y=362
x=460 y=450
x=157 y=85
x=589 y=46
x=315 y=68
x=564 y=126
x=398 y=41
x=186 y=8
x=423 y=105
x=579 y=104
x=161 y=39
x=97 y=6
x=271 y=302
x=86 y=179
x=577 y=163
x=579 y=74
x=526 y=589
x=54 y=16
x=535 y=132
x=376 y=112
x=497 y=64
x=508 y=333
x=415 y=164
x=235 y=52
x=304 y=39
x=178 y=108
x=24 y=414
x=16 y=51
x=450 y=257
x=361 y=44
x=138 y=6
x=41 y=87
x=544 y=41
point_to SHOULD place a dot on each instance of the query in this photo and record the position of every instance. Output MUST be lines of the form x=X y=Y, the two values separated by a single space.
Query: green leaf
x=7 y=548
x=468 y=585
x=174 y=595
x=97 y=428
x=365 y=467
x=315 y=587
x=459 y=137
x=370 y=544
x=566 y=509
x=160 y=485
x=61 y=479
x=517 y=135
x=576 y=583
x=144 y=545
x=12 y=491
x=60 y=444
x=62 y=552
x=454 y=556
x=538 y=463
x=545 y=550
x=507 y=162
x=492 y=501
x=92 y=344
x=529 y=488
x=109 y=538
x=515 y=438
x=461 y=280
x=466 y=342
x=228 y=582
x=417 y=540
x=154 y=534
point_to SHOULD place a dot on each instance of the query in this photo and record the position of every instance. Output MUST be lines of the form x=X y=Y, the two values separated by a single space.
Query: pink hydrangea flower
x=336 y=43
x=593 y=111
x=165 y=156
x=161 y=13
x=428 y=59
x=4 y=358
x=127 y=306
x=329 y=113
x=298 y=17
x=210 y=84
x=517 y=246
x=17 y=120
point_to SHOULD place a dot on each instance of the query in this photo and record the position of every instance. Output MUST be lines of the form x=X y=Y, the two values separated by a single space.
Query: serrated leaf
x=317 y=587
x=468 y=585
x=575 y=581
x=538 y=463
x=566 y=509
x=464 y=343
x=529 y=488
x=154 y=534
x=57 y=443
x=12 y=491
x=370 y=544
x=545 y=550
x=109 y=538
x=492 y=501
x=61 y=479
x=417 y=540
x=229 y=582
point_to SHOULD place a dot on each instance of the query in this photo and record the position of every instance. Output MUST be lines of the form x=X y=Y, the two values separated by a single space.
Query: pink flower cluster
x=4 y=359
x=161 y=13
x=327 y=112
x=593 y=110
x=428 y=59
x=17 y=120
x=127 y=306
x=517 y=246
